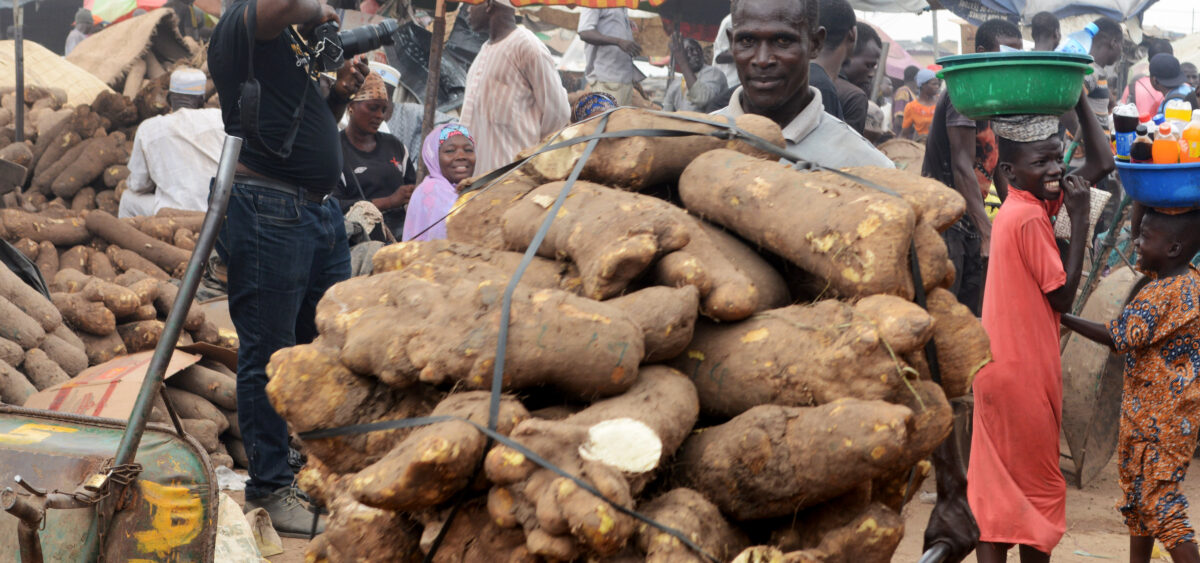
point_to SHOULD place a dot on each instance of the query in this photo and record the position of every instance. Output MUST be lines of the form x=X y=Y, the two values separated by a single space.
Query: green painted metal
x=171 y=513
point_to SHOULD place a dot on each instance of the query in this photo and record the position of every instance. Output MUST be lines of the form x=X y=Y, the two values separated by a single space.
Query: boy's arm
x=1095 y=144
x=1078 y=204
x=1091 y=330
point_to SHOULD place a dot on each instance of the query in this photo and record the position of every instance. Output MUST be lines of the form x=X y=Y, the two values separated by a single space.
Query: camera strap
x=251 y=95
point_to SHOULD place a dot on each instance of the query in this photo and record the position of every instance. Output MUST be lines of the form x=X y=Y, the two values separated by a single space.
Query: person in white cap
x=175 y=155
x=514 y=94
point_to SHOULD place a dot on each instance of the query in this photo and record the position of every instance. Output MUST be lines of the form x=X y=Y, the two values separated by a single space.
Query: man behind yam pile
x=772 y=42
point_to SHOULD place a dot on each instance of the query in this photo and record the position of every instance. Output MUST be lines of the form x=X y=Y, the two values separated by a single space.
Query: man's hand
x=1077 y=198
x=397 y=199
x=633 y=49
x=328 y=14
x=350 y=78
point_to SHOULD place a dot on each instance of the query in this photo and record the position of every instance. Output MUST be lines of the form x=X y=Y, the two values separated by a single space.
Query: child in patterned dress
x=1159 y=332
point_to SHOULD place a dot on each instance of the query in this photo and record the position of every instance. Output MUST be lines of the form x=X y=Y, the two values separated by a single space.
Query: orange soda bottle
x=1190 y=143
x=1166 y=145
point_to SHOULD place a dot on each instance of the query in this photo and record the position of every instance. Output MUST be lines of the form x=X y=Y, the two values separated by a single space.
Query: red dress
x=1014 y=485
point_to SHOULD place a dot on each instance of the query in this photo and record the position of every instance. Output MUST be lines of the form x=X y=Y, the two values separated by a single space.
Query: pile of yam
x=709 y=337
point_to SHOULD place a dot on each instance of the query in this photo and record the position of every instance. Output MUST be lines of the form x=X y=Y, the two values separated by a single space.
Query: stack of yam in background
x=720 y=342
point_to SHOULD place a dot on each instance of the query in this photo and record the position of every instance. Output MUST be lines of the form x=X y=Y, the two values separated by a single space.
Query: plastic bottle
x=1191 y=140
x=1166 y=145
x=1179 y=111
x=1125 y=122
x=1080 y=42
x=1142 y=150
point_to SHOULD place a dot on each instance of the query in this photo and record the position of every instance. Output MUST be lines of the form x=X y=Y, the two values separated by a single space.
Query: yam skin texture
x=84 y=315
x=14 y=388
x=319 y=482
x=11 y=352
x=126 y=260
x=437 y=461
x=102 y=153
x=27 y=247
x=47 y=259
x=962 y=344
x=772 y=289
x=44 y=177
x=760 y=463
x=108 y=201
x=114 y=174
x=53 y=140
x=74 y=258
x=204 y=431
x=140 y=336
x=70 y=358
x=100 y=266
x=405 y=330
x=185 y=239
x=68 y=336
x=164 y=301
x=932 y=421
x=936 y=204
x=18 y=153
x=477 y=215
x=312 y=390
x=805 y=355
x=728 y=294
x=237 y=450
x=359 y=533
x=611 y=235
x=667 y=316
x=38 y=227
x=41 y=371
x=19 y=327
x=637 y=163
x=435 y=260
x=213 y=386
x=700 y=520
x=871 y=538
x=474 y=537
x=562 y=521
x=84 y=200
x=855 y=238
x=170 y=258
x=189 y=405
x=101 y=349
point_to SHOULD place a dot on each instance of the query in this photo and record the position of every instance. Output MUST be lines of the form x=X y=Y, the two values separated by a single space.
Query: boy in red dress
x=1159 y=331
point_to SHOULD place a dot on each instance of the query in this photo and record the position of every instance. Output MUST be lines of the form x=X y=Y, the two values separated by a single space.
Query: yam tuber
x=101 y=349
x=18 y=326
x=473 y=536
x=85 y=315
x=189 y=405
x=213 y=386
x=14 y=388
x=11 y=352
x=75 y=258
x=18 y=153
x=444 y=261
x=42 y=371
x=805 y=355
x=406 y=330
x=363 y=534
x=853 y=237
x=27 y=247
x=689 y=512
x=127 y=260
x=760 y=464
x=728 y=294
x=70 y=358
x=40 y=227
x=84 y=200
x=108 y=201
x=163 y=255
x=141 y=335
x=963 y=346
x=612 y=236
x=437 y=461
x=204 y=431
x=114 y=174
x=477 y=216
x=667 y=317
x=47 y=259
x=615 y=444
x=636 y=163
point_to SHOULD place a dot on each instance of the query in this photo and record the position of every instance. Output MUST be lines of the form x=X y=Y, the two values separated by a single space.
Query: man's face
x=478 y=18
x=694 y=54
x=860 y=68
x=772 y=47
x=1106 y=50
x=1192 y=76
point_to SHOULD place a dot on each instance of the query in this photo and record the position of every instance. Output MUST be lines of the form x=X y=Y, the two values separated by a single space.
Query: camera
x=333 y=47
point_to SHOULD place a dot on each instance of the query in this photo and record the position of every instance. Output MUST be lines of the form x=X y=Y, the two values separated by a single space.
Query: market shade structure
x=976 y=11
x=698 y=19
x=898 y=58
x=116 y=10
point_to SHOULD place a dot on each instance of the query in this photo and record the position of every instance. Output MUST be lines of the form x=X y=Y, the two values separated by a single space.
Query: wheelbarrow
x=84 y=488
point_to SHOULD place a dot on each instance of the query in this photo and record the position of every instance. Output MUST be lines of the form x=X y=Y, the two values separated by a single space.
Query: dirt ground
x=1095 y=531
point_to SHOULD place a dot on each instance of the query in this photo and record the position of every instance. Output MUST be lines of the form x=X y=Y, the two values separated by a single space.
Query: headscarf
x=1025 y=128
x=924 y=75
x=435 y=197
x=593 y=103
x=373 y=88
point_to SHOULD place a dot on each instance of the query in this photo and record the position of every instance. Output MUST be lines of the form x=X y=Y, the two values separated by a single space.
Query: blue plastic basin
x=1162 y=185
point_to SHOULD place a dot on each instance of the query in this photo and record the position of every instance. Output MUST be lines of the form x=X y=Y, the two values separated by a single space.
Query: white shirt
x=820 y=138
x=608 y=63
x=174 y=158
x=720 y=46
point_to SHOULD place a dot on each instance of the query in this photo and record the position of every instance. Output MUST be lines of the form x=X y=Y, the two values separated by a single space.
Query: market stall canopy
x=698 y=19
x=898 y=58
x=118 y=10
x=890 y=5
x=648 y=29
x=46 y=69
x=977 y=11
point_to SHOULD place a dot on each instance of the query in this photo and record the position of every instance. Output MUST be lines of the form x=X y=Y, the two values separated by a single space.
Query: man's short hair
x=1045 y=24
x=1155 y=46
x=866 y=36
x=837 y=17
x=910 y=72
x=811 y=11
x=989 y=34
x=1109 y=28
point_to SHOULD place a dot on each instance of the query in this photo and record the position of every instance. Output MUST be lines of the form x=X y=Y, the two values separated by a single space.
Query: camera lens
x=368 y=38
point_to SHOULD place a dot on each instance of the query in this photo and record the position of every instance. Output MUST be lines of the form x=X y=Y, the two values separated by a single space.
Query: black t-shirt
x=315 y=161
x=938 y=163
x=378 y=173
x=819 y=79
x=854 y=104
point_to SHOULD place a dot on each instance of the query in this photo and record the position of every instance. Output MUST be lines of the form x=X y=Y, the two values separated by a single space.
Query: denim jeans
x=964 y=244
x=282 y=253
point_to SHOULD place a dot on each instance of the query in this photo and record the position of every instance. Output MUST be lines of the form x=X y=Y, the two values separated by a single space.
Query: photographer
x=283 y=238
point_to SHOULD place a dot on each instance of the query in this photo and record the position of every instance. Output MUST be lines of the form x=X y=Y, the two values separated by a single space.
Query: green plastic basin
x=985 y=85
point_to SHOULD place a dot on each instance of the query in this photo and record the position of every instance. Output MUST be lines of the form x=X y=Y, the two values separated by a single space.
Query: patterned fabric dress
x=1160 y=412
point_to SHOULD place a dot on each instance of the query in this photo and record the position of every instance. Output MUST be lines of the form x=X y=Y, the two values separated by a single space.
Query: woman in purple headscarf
x=449 y=155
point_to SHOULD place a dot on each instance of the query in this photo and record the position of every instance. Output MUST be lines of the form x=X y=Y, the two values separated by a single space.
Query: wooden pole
x=19 y=54
x=880 y=71
x=435 y=75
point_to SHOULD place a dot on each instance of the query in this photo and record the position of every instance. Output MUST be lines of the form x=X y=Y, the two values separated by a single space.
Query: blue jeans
x=282 y=253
